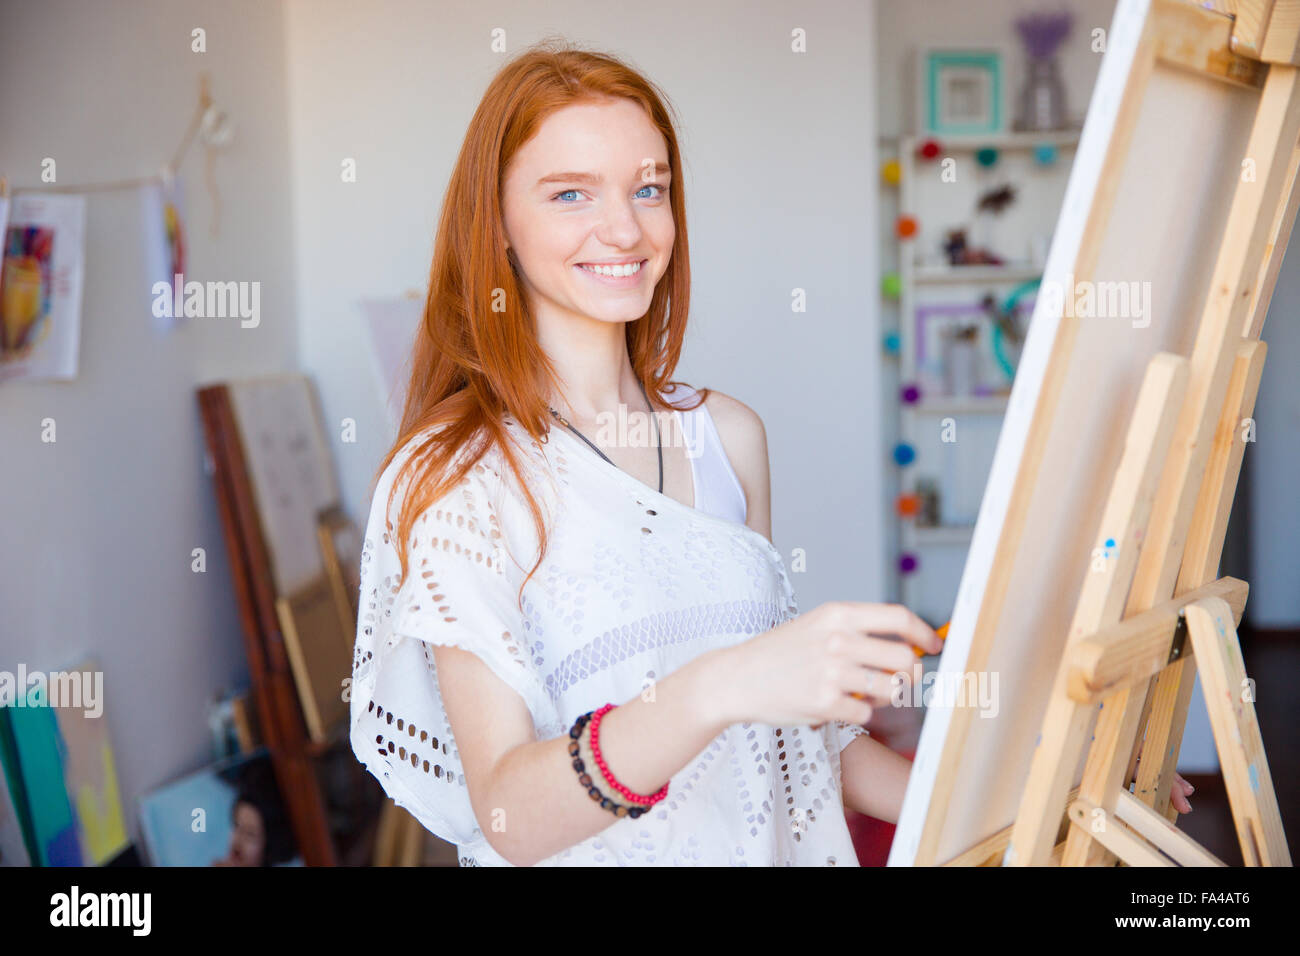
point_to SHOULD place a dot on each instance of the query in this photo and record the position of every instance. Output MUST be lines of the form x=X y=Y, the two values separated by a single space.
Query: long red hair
x=471 y=365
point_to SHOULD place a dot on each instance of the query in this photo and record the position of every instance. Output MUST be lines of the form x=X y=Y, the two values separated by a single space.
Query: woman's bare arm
x=525 y=793
x=874 y=778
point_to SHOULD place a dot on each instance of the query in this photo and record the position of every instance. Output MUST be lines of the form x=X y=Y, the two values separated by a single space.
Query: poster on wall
x=40 y=287
x=165 y=241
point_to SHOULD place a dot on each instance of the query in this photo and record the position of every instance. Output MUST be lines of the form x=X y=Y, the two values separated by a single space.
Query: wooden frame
x=340 y=546
x=988 y=60
x=279 y=714
x=316 y=639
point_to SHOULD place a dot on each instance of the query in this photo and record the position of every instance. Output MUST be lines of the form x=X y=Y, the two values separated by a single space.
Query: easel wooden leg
x=1229 y=699
x=1167 y=698
x=1171 y=692
x=1128 y=507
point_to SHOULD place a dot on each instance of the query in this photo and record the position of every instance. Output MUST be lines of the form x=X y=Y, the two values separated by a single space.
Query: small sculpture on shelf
x=957 y=247
x=1009 y=327
x=960 y=254
x=927 y=510
x=997 y=199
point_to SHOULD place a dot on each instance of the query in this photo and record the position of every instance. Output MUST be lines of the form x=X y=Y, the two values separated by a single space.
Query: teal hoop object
x=1010 y=305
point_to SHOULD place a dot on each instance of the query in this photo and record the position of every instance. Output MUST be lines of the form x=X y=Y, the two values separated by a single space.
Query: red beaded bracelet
x=594 y=738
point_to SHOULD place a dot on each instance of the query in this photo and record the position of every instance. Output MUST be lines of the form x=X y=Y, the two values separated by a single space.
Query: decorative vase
x=1042 y=99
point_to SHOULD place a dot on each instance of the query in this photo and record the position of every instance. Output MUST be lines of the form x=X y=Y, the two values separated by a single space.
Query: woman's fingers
x=852 y=710
x=886 y=655
x=875 y=686
x=874 y=619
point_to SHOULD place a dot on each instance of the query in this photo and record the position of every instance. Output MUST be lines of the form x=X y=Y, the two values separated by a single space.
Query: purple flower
x=1042 y=33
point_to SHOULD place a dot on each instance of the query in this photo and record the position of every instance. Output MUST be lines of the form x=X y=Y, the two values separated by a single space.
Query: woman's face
x=585 y=197
x=248 y=840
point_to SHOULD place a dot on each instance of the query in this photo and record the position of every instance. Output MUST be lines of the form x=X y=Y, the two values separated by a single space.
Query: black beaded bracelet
x=584 y=778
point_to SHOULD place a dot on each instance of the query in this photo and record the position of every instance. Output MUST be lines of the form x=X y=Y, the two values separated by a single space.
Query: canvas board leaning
x=1158 y=165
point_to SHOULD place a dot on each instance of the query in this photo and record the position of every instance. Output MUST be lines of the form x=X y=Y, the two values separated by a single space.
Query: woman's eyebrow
x=591 y=179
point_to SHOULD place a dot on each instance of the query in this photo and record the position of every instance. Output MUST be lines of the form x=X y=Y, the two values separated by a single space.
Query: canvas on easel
x=1106 y=501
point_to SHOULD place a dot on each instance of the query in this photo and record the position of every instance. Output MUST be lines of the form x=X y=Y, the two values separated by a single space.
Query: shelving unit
x=926 y=279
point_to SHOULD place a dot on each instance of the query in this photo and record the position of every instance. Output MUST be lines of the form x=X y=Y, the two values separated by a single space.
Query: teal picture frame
x=935 y=114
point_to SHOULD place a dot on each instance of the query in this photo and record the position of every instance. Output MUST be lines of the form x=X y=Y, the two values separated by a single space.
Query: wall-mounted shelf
x=1065 y=137
x=941 y=196
x=1011 y=272
x=992 y=405
x=942 y=534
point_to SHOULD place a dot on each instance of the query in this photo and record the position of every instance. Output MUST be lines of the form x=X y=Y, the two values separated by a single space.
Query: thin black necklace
x=658 y=444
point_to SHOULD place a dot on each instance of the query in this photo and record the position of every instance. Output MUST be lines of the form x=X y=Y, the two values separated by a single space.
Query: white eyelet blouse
x=634 y=585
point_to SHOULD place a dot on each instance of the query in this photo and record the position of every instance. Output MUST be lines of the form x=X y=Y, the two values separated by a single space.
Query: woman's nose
x=619 y=225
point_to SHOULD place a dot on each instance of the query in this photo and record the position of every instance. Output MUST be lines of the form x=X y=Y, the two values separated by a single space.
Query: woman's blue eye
x=576 y=194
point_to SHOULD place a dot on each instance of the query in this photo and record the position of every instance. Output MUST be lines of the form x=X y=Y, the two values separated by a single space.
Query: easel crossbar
x=1139 y=647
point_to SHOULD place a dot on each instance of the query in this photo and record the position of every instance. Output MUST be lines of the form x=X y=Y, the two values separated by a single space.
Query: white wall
x=98 y=527
x=779 y=150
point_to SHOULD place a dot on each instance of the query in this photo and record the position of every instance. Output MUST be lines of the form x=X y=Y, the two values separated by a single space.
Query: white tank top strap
x=717 y=488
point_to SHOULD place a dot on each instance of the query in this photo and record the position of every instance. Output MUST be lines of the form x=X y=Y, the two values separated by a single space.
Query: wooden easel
x=1129 y=652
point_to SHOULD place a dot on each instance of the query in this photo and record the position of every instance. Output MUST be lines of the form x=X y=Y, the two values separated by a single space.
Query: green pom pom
x=986 y=156
x=891 y=285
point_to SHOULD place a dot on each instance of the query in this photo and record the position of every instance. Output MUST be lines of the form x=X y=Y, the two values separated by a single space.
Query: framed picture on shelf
x=961 y=93
x=961 y=353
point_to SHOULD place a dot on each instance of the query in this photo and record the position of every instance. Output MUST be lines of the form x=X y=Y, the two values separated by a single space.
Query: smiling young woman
x=577 y=645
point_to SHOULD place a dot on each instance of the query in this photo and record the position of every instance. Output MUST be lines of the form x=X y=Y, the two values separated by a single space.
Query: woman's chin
x=626 y=310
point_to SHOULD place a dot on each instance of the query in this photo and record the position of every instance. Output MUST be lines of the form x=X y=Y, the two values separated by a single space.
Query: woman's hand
x=1179 y=791
x=804 y=671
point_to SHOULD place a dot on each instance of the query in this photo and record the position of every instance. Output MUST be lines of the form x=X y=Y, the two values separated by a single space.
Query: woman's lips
x=589 y=269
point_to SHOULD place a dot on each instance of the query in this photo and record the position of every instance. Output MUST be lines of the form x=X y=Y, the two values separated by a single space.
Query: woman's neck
x=594 y=374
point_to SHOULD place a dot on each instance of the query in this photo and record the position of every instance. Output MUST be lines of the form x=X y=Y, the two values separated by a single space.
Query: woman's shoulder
x=728 y=413
x=485 y=474
x=744 y=440
x=741 y=431
x=487 y=493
